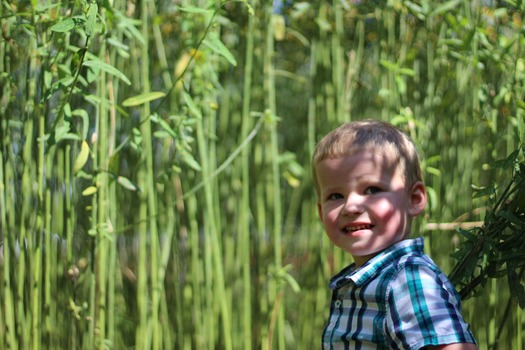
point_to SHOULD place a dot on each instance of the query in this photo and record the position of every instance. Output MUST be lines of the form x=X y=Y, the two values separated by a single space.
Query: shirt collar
x=375 y=265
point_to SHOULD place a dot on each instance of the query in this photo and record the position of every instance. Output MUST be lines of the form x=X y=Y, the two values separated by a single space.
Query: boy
x=369 y=184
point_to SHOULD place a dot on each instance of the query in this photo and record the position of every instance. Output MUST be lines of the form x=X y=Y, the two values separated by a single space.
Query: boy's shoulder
x=414 y=260
x=417 y=267
x=416 y=273
x=407 y=254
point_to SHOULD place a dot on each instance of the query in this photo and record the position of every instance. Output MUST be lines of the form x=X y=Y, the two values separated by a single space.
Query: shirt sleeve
x=423 y=308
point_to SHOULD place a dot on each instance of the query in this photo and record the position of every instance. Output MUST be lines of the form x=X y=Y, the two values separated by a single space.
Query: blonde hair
x=374 y=135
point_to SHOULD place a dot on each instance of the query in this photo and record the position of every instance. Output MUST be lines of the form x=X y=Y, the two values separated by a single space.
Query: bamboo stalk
x=103 y=221
x=150 y=328
x=244 y=208
x=49 y=268
x=214 y=239
x=200 y=338
x=274 y=192
x=7 y=201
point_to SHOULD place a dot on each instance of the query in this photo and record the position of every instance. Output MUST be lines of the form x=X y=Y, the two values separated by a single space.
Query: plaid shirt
x=397 y=300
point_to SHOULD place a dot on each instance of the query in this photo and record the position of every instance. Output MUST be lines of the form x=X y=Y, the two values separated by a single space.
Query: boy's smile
x=358 y=227
x=365 y=204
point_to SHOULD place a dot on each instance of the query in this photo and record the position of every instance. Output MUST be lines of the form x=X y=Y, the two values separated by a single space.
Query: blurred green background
x=155 y=188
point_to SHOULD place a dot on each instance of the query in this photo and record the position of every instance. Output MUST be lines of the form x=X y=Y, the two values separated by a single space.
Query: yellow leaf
x=82 y=157
x=89 y=191
x=143 y=98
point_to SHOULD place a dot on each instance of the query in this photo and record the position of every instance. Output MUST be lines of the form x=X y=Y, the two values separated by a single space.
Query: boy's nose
x=353 y=204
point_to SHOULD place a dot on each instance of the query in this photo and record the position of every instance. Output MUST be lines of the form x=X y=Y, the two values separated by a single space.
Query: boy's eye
x=334 y=196
x=372 y=190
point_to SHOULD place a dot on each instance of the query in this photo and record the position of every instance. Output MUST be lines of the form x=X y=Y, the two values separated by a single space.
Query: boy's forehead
x=378 y=151
x=381 y=158
x=366 y=159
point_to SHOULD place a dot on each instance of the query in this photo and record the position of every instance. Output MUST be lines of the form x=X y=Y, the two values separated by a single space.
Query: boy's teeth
x=356 y=228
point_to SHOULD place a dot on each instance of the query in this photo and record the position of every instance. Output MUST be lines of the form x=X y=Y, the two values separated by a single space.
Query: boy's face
x=364 y=203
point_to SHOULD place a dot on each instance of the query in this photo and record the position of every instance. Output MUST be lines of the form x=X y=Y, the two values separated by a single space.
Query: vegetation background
x=155 y=190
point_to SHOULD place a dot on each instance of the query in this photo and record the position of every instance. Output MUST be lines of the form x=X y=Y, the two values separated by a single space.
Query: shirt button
x=337 y=303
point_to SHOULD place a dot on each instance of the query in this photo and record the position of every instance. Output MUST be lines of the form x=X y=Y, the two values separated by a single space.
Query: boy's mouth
x=354 y=228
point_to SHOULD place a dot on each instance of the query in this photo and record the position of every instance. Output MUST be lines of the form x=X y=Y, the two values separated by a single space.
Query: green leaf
x=91 y=18
x=167 y=128
x=216 y=45
x=446 y=7
x=467 y=234
x=67 y=110
x=511 y=218
x=143 y=98
x=191 y=105
x=128 y=25
x=407 y=71
x=292 y=282
x=61 y=132
x=64 y=26
x=190 y=161
x=82 y=113
x=82 y=157
x=433 y=171
x=517 y=290
x=161 y=134
x=483 y=191
x=191 y=9
x=96 y=63
x=432 y=198
x=391 y=66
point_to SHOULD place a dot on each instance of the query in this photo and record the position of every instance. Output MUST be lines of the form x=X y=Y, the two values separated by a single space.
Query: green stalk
x=94 y=232
x=22 y=316
x=274 y=186
x=112 y=213
x=493 y=306
x=354 y=67
x=385 y=78
x=169 y=223
x=520 y=323
x=200 y=339
x=262 y=239
x=244 y=218
x=150 y=199
x=37 y=253
x=312 y=103
x=166 y=340
x=171 y=240
x=23 y=326
x=34 y=114
x=338 y=63
x=49 y=268
x=219 y=287
x=6 y=176
x=7 y=202
x=141 y=337
x=69 y=212
x=102 y=223
x=211 y=287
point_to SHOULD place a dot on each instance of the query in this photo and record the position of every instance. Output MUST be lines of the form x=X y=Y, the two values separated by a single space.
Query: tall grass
x=154 y=174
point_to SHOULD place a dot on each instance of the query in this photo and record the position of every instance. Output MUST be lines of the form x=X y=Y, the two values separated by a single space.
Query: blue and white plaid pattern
x=397 y=300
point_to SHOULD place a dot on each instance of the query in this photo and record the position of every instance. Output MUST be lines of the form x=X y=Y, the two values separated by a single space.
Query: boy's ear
x=418 y=199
